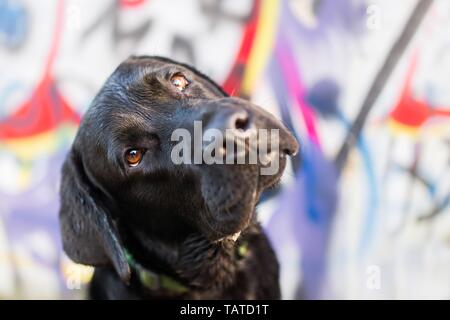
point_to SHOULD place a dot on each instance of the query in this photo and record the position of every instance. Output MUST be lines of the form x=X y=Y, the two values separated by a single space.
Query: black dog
x=153 y=228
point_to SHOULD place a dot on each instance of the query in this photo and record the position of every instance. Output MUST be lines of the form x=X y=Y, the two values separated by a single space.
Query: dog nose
x=289 y=145
x=234 y=120
x=238 y=120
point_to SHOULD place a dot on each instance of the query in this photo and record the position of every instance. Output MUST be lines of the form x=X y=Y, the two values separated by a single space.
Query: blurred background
x=365 y=86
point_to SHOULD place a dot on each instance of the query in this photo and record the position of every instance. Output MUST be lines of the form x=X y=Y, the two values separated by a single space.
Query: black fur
x=175 y=220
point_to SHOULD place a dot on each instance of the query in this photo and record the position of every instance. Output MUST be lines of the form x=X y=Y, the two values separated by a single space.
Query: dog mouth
x=230 y=194
x=243 y=208
x=230 y=204
x=241 y=226
x=268 y=181
x=229 y=220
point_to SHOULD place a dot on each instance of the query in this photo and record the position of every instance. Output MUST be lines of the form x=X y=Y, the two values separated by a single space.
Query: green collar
x=154 y=281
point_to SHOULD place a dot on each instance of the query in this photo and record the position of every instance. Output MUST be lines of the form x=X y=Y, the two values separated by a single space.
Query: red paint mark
x=413 y=112
x=56 y=38
x=232 y=84
x=295 y=87
x=46 y=109
x=130 y=3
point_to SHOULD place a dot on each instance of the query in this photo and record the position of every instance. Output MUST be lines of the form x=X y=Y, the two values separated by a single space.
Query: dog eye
x=179 y=81
x=134 y=157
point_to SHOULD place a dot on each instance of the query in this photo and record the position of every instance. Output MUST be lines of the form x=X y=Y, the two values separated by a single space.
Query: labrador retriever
x=154 y=228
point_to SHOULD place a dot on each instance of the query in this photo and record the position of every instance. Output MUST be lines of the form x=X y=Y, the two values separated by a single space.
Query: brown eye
x=134 y=157
x=179 y=81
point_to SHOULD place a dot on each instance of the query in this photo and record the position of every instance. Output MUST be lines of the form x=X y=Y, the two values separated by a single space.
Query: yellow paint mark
x=27 y=148
x=401 y=128
x=263 y=44
x=428 y=128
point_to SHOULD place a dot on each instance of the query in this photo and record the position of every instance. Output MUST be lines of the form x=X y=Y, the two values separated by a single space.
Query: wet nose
x=242 y=119
x=234 y=120
x=288 y=145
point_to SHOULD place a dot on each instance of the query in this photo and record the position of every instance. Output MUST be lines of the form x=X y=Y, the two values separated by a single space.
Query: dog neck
x=176 y=268
x=154 y=281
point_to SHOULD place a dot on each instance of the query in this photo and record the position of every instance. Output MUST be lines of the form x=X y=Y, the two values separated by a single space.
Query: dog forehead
x=147 y=65
x=138 y=67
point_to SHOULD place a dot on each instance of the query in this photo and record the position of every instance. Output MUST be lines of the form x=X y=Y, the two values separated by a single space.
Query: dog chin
x=220 y=233
x=270 y=181
x=229 y=221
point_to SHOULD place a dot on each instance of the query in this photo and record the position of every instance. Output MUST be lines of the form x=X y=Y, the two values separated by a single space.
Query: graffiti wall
x=363 y=211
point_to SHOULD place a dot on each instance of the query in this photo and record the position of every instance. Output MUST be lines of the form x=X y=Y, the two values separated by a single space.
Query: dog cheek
x=267 y=181
x=226 y=183
x=230 y=195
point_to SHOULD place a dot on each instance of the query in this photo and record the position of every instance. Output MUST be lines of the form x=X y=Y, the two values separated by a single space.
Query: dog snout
x=289 y=145
x=237 y=118
x=231 y=120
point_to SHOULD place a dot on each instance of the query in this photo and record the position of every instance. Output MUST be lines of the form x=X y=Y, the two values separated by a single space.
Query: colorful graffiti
x=363 y=211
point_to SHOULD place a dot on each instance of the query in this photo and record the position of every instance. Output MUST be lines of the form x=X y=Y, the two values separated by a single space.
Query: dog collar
x=152 y=280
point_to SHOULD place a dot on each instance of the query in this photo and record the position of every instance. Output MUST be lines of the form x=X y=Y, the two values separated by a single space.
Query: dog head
x=125 y=168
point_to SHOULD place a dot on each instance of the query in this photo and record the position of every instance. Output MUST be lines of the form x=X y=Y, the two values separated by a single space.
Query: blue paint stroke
x=13 y=24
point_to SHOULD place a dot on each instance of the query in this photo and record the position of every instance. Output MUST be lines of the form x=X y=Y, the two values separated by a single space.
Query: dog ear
x=88 y=232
